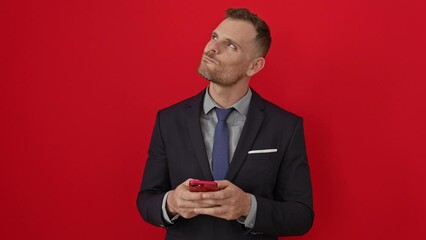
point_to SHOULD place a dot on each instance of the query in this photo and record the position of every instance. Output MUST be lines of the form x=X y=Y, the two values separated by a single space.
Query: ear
x=255 y=66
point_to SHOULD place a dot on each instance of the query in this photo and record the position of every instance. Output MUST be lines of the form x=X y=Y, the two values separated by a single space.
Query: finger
x=207 y=203
x=217 y=195
x=188 y=213
x=217 y=211
x=192 y=196
x=222 y=184
x=190 y=205
x=186 y=183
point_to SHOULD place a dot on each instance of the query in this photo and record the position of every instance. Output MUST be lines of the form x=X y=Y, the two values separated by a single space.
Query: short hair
x=263 y=37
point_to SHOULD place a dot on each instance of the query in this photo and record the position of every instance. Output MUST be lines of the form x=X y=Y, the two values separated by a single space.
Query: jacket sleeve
x=154 y=186
x=290 y=213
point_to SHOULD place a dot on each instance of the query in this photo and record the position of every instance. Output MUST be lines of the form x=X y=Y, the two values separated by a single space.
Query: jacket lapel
x=251 y=127
x=192 y=116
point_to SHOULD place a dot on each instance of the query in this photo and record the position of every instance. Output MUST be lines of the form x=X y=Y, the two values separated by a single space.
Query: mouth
x=207 y=59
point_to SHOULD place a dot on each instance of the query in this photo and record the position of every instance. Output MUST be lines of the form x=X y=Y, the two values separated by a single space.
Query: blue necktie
x=220 y=154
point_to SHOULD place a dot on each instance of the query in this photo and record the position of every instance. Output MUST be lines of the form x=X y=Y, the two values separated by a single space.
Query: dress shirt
x=235 y=122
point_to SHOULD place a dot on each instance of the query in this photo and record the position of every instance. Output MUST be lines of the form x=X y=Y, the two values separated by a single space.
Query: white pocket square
x=263 y=151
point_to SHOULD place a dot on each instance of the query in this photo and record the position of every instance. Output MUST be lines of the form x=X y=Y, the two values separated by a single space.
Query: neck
x=227 y=96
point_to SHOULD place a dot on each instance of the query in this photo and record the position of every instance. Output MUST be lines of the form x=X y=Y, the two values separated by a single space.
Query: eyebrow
x=228 y=39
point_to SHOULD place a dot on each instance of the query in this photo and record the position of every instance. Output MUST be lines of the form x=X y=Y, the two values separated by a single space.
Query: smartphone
x=202 y=186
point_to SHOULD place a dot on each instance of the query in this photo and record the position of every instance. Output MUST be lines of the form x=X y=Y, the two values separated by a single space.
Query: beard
x=219 y=75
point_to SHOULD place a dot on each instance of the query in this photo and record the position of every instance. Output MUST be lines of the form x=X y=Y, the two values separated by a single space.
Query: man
x=263 y=176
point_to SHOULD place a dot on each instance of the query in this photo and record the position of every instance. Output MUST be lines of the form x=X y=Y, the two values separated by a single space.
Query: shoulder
x=191 y=102
x=273 y=111
x=179 y=113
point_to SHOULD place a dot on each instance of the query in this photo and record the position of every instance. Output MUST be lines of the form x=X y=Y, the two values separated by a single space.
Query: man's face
x=228 y=54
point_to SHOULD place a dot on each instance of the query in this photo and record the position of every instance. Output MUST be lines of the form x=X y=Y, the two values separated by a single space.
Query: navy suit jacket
x=279 y=180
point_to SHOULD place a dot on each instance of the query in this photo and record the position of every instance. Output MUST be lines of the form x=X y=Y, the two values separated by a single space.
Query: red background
x=81 y=82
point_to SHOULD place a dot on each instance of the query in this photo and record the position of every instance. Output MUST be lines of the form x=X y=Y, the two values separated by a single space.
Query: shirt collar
x=242 y=106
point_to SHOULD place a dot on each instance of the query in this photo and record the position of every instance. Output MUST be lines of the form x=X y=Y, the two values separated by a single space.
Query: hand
x=183 y=202
x=229 y=202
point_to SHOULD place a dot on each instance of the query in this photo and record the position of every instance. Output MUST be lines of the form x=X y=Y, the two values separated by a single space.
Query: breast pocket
x=262 y=155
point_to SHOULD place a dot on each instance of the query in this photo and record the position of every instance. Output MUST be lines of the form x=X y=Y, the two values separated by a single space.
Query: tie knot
x=223 y=114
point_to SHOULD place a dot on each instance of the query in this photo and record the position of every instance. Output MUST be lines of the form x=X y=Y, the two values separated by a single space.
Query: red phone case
x=202 y=186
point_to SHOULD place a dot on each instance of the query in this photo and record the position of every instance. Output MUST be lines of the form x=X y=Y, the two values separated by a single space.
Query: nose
x=213 y=47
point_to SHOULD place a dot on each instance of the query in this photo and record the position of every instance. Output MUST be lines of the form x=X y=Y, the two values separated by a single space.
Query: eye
x=231 y=45
x=214 y=36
